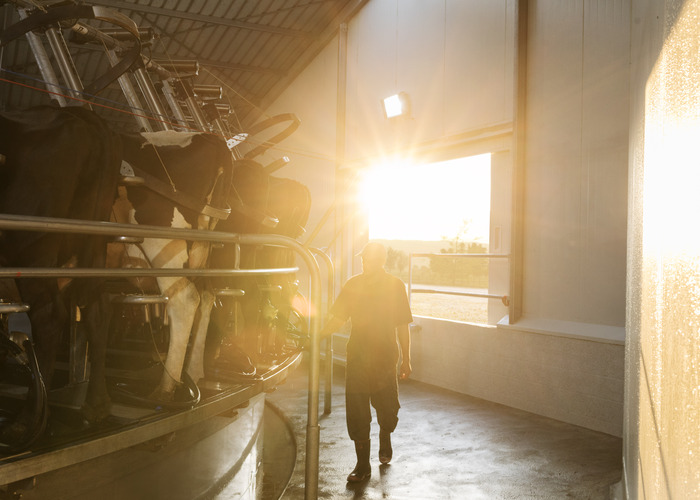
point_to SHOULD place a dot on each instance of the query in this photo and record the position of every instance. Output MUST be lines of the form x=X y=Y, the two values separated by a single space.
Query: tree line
x=443 y=269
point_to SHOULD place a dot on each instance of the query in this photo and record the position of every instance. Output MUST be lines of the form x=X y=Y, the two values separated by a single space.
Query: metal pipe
x=78 y=272
x=129 y=92
x=472 y=255
x=503 y=298
x=121 y=34
x=169 y=94
x=98 y=228
x=410 y=277
x=196 y=111
x=313 y=431
x=44 y=64
x=465 y=294
x=99 y=37
x=211 y=113
x=340 y=129
x=65 y=63
x=329 y=340
x=181 y=68
x=208 y=91
x=151 y=96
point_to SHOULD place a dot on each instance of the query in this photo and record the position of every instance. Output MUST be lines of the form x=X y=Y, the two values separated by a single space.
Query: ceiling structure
x=253 y=49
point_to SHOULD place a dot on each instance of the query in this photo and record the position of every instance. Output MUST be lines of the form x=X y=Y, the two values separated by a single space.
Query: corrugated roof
x=252 y=48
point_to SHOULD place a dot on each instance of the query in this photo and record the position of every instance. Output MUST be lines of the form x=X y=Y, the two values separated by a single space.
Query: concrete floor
x=451 y=446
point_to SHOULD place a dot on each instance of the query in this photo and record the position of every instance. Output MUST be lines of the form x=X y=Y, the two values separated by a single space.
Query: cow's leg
x=198 y=256
x=96 y=318
x=195 y=362
x=183 y=301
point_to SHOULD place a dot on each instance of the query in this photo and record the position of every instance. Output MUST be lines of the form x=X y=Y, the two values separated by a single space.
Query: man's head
x=373 y=257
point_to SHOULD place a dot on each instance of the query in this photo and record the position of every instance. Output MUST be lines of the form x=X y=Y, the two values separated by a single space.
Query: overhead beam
x=213 y=63
x=199 y=18
x=241 y=67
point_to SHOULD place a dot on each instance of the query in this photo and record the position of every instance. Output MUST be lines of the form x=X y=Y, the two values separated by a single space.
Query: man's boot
x=362 y=470
x=385 y=451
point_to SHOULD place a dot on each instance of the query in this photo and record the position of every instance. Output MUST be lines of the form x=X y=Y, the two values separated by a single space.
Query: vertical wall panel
x=372 y=54
x=421 y=64
x=478 y=65
x=577 y=109
x=553 y=130
x=604 y=124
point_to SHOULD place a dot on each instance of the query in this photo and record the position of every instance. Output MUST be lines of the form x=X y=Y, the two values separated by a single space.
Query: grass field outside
x=453 y=307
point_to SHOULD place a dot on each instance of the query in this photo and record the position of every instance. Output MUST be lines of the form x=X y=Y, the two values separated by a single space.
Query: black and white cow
x=59 y=162
x=263 y=312
x=65 y=162
x=199 y=165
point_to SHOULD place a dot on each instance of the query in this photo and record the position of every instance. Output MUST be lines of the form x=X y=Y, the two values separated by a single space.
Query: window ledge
x=570 y=329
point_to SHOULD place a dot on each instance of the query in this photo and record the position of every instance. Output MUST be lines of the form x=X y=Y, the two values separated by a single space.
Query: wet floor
x=452 y=446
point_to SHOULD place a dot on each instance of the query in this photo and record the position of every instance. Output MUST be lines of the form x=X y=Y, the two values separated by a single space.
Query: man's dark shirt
x=376 y=304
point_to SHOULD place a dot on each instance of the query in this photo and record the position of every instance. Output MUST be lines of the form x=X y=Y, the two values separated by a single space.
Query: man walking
x=376 y=304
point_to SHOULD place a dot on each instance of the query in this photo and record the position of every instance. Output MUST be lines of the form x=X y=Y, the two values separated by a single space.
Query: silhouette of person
x=376 y=304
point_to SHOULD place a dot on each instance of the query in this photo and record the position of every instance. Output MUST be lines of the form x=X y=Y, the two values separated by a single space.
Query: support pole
x=519 y=110
x=340 y=191
x=327 y=397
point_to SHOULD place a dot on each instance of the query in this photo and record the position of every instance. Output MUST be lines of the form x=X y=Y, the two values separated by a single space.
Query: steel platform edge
x=146 y=426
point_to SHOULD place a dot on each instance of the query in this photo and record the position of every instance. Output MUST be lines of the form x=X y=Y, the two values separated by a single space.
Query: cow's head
x=188 y=170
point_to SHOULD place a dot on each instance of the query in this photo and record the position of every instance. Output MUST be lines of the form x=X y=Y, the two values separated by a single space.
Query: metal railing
x=328 y=385
x=505 y=299
x=51 y=225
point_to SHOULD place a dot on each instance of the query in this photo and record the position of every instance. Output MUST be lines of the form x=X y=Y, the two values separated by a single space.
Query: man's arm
x=405 y=341
x=332 y=326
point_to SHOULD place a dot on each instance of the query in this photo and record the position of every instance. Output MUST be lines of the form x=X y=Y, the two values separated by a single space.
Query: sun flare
x=406 y=201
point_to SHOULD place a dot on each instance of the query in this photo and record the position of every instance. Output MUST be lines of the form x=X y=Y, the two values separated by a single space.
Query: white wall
x=452 y=57
x=576 y=161
x=662 y=389
x=564 y=358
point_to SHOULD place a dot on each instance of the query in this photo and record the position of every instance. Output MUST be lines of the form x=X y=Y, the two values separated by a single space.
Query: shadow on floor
x=451 y=446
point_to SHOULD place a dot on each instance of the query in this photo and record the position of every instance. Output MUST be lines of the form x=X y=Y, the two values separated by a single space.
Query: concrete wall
x=662 y=387
x=567 y=378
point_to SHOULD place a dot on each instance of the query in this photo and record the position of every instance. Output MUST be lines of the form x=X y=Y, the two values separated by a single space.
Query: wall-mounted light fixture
x=397 y=105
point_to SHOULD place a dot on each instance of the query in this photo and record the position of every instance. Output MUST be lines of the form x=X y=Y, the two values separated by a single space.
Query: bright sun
x=427 y=202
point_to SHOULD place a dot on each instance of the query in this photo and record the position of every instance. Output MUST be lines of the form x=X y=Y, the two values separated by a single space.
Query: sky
x=429 y=202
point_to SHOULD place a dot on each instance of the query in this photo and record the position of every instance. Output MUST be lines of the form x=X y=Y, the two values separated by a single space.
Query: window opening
x=435 y=208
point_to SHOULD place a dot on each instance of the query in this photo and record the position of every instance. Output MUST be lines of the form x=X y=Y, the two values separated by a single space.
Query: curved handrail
x=45 y=224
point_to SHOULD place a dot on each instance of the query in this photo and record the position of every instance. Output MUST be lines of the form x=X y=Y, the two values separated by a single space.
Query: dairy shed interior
x=582 y=375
